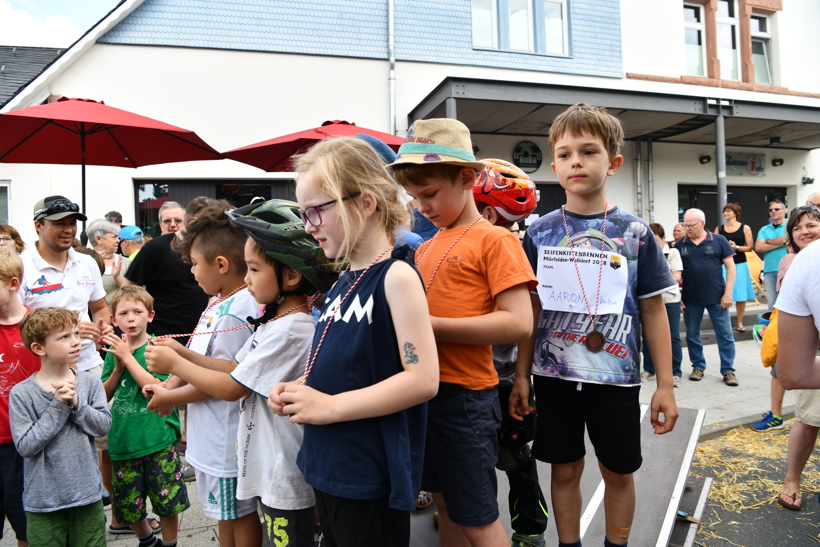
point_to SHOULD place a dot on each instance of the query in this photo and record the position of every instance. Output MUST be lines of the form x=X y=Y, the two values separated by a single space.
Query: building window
x=531 y=26
x=520 y=17
x=761 y=46
x=695 y=34
x=485 y=24
x=555 y=30
x=4 y=201
x=727 y=39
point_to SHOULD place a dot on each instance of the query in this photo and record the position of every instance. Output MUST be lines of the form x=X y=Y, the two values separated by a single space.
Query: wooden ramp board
x=659 y=485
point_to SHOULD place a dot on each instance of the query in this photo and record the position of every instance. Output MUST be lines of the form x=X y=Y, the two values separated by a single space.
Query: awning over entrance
x=513 y=108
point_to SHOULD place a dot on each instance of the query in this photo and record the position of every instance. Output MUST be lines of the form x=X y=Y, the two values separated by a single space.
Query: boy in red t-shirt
x=16 y=364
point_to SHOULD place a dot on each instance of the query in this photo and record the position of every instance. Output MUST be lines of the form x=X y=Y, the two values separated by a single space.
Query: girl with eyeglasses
x=373 y=363
x=10 y=238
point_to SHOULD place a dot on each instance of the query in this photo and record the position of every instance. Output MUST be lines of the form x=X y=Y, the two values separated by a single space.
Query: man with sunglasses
x=55 y=275
x=771 y=243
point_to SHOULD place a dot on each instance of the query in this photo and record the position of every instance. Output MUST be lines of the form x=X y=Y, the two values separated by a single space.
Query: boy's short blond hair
x=412 y=174
x=581 y=118
x=134 y=293
x=10 y=266
x=37 y=325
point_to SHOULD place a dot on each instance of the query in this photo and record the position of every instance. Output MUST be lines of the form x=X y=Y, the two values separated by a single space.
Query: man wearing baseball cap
x=131 y=241
x=55 y=275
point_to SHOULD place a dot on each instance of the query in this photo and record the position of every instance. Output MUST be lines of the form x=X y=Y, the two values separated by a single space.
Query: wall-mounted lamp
x=777 y=162
x=774 y=140
x=705 y=159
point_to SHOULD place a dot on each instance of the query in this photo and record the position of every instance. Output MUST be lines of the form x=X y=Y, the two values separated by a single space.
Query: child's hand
x=167 y=343
x=159 y=403
x=160 y=360
x=519 y=405
x=306 y=405
x=274 y=402
x=148 y=391
x=104 y=328
x=65 y=392
x=118 y=346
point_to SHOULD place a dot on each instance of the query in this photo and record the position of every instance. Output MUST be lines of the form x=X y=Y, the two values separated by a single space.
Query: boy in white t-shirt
x=213 y=245
x=284 y=264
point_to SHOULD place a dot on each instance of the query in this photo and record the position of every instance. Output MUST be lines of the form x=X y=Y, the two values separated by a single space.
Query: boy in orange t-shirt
x=478 y=280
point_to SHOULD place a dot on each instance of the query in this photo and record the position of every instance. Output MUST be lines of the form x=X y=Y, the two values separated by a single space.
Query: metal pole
x=391 y=60
x=450 y=108
x=720 y=152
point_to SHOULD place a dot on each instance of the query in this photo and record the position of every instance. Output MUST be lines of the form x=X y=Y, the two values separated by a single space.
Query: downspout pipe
x=391 y=61
x=720 y=152
x=650 y=165
x=639 y=175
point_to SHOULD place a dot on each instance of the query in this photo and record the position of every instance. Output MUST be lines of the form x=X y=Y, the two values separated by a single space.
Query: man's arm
x=510 y=323
x=726 y=299
x=798 y=366
x=762 y=247
x=655 y=325
x=99 y=310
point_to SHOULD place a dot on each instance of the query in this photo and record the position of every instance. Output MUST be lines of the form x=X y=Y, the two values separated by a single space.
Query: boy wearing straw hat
x=478 y=280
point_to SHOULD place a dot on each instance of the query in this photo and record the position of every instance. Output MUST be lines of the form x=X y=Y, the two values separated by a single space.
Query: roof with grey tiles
x=436 y=32
x=20 y=65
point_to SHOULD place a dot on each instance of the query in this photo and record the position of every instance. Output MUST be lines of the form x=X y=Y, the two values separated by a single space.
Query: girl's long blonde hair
x=344 y=166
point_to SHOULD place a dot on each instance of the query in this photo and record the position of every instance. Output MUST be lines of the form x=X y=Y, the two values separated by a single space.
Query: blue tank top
x=375 y=457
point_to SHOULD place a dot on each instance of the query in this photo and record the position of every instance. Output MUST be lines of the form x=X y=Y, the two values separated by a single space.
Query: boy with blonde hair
x=55 y=415
x=601 y=274
x=16 y=364
x=141 y=443
x=477 y=280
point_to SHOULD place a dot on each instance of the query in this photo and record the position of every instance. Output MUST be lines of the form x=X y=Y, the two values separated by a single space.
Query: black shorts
x=11 y=490
x=361 y=523
x=461 y=452
x=611 y=414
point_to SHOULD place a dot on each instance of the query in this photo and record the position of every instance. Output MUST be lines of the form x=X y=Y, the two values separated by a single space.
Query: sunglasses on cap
x=812 y=208
x=55 y=207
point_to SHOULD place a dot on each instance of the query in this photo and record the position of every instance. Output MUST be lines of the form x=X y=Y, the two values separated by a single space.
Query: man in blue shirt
x=771 y=243
x=703 y=254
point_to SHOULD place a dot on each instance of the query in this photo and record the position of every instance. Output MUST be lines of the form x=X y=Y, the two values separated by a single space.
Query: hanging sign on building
x=527 y=156
x=741 y=164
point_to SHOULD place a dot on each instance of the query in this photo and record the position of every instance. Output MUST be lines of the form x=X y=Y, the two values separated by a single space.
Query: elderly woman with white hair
x=103 y=236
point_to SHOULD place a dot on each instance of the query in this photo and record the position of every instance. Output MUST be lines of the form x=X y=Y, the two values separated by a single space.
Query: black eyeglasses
x=312 y=214
x=55 y=207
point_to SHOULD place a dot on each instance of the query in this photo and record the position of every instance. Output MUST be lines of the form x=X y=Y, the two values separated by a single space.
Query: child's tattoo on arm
x=410 y=357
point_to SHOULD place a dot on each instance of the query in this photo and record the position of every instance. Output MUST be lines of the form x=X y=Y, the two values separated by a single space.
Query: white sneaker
x=646 y=376
x=676 y=381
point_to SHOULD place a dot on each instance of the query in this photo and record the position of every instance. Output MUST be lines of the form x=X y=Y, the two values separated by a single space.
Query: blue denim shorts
x=461 y=453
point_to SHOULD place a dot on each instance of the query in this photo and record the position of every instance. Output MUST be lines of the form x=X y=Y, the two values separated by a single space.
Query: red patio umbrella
x=85 y=132
x=275 y=154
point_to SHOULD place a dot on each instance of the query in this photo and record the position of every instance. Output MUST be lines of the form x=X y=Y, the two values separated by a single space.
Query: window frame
x=734 y=22
x=530 y=27
x=494 y=24
x=537 y=28
x=541 y=37
x=6 y=183
x=700 y=27
x=764 y=38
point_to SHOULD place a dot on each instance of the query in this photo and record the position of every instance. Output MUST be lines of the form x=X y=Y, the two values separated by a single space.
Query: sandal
x=740 y=329
x=793 y=505
x=424 y=500
x=156 y=527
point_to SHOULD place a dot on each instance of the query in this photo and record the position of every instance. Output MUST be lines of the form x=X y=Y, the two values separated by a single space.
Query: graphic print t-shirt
x=16 y=364
x=559 y=349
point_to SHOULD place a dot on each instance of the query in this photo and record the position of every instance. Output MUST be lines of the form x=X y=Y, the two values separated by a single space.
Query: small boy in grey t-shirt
x=55 y=415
